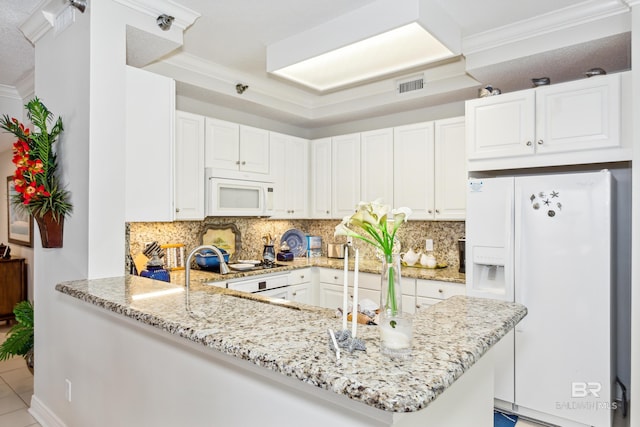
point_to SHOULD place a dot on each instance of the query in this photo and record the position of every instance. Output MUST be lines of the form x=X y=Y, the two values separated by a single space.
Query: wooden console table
x=13 y=285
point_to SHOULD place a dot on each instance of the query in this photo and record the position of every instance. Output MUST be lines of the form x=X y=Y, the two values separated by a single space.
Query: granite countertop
x=291 y=338
x=446 y=274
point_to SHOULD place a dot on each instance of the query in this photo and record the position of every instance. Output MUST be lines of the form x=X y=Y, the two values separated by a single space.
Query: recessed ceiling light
x=382 y=38
x=406 y=47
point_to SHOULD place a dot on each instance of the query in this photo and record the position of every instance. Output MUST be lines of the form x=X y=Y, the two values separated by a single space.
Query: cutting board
x=140 y=261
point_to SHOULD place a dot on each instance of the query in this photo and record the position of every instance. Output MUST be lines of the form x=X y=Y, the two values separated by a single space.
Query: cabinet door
x=13 y=289
x=579 y=115
x=254 y=150
x=450 y=169
x=189 y=166
x=297 y=177
x=150 y=136
x=330 y=296
x=278 y=148
x=289 y=163
x=345 y=183
x=376 y=158
x=222 y=144
x=320 y=184
x=300 y=293
x=413 y=169
x=501 y=126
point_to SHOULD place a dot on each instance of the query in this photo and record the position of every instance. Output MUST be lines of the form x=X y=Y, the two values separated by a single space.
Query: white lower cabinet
x=429 y=292
x=300 y=293
x=300 y=287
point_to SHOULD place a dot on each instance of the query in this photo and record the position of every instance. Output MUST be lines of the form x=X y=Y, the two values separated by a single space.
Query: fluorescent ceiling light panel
x=405 y=47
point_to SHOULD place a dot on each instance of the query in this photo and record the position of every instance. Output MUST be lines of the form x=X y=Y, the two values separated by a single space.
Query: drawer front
x=335 y=277
x=297 y=277
x=439 y=290
x=259 y=283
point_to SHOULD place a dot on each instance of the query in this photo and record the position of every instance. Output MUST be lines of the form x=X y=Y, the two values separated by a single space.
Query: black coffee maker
x=462 y=243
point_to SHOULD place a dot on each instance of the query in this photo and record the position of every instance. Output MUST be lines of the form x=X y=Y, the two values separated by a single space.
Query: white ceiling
x=227 y=45
x=16 y=53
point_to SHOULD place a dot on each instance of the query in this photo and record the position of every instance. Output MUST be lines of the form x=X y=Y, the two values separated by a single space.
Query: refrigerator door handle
x=509 y=244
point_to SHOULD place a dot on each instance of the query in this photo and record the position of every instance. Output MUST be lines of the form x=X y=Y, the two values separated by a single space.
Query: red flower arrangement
x=35 y=178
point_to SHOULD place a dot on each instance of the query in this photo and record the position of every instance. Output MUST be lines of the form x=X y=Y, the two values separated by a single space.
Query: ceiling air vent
x=410 y=84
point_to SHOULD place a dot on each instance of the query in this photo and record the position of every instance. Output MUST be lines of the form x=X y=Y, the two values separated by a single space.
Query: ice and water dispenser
x=487 y=270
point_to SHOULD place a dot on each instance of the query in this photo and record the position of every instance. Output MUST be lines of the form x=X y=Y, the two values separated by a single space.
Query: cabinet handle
x=295 y=293
x=327 y=212
x=302 y=276
x=540 y=142
x=430 y=211
x=418 y=305
x=528 y=143
x=237 y=162
x=440 y=291
x=437 y=211
x=177 y=209
x=335 y=277
x=244 y=163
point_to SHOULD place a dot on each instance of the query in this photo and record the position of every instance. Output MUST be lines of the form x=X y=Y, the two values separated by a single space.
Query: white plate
x=249 y=261
x=241 y=266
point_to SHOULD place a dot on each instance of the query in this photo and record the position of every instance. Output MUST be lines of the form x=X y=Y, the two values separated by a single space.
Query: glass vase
x=396 y=327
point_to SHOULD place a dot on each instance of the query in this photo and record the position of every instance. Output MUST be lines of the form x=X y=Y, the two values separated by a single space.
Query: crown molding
x=571 y=16
x=7 y=91
x=36 y=25
x=183 y=16
x=632 y=3
x=26 y=85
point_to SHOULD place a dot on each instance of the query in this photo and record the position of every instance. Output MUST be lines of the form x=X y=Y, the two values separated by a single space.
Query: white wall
x=79 y=75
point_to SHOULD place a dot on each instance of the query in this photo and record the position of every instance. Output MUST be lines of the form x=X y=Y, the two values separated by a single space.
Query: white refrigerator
x=545 y=241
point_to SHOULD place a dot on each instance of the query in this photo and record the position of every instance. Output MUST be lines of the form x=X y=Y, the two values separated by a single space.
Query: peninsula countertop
x=447 y=274
x=291 y=338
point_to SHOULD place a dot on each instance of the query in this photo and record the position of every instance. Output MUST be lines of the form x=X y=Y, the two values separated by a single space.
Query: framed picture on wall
x=19 y=223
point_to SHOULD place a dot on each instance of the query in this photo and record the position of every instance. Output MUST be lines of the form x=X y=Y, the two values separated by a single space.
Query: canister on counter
x=314 y=246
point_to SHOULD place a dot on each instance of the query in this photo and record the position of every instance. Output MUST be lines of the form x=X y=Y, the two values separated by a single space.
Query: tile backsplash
x=445 y=235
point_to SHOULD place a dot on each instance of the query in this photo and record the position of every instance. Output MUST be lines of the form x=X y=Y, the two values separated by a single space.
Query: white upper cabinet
x=579 y=115
x=501 y=126
x=222 y=144
x=236 y=151
x=150 y=133
x=189 y=167
x=320 y=179
x=450 y=169
x=289 y=163
x=430 y=174
x=345 y=177
x=254 y=150
x=413 y=171
x=566 y=123
x=376 y=159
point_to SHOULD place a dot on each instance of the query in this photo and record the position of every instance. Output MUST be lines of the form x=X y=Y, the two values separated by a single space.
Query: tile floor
x=16 y=388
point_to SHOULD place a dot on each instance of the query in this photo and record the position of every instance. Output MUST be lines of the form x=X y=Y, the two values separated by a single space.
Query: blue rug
x=504 y=420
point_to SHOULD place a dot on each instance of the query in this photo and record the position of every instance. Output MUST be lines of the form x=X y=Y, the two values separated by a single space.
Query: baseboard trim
x=43 y=414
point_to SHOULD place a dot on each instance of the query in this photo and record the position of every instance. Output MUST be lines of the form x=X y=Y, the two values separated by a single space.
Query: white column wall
x=79 y=75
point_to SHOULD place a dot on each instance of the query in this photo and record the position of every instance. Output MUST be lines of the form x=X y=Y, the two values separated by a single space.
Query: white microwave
x=234 y=197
